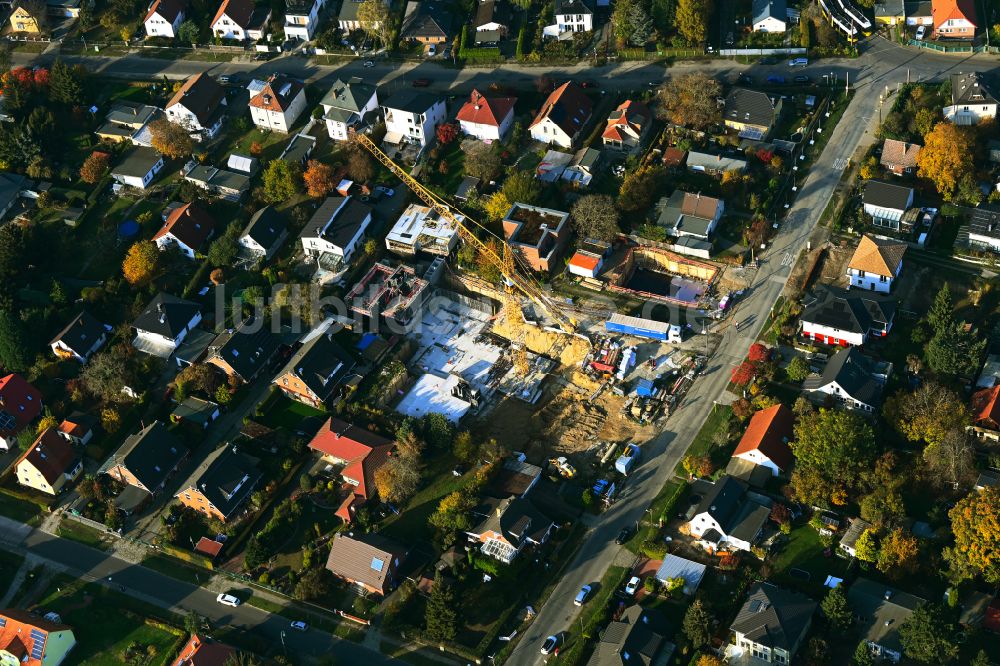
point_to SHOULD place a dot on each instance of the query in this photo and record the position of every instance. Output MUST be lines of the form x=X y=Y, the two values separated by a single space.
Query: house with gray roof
x=81 y=337
x=427 y=22
x=244 y=351
x=508 y=526
x=335 y=232
x=851 y=379
x=770 y=16
x=887 y=203
x=316 y=371
x=849 y=541
x=879 y=612
x=715 y=165
x=264 y=234
x=13 y=186
x=349 y=106
x=689 y=214
x=143 y=463
x=223 y=183
x=221 y=484
x=637 y=638
x=583 y=167
x=772 y=623
x=164 y=324
x=841 y=317
x=984 y=226
x=752 y=113
x=138 y=169
x=728 y=516
x=675 y=567
x=972 y=99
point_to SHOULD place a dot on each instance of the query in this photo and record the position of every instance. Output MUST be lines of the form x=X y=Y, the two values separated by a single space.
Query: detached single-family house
x=572 y=16
x=20 y=404
x=687 y=214
x=890 y=12
x=139 y=168
x=985 y=408
x=223 y=183
x=539 y=234
x=244 y=351
x=27 y=639
x=335 y=232
x=163 y=325
x=360 y=452
x=772 y=624
x=770 y=16
x=77 y=428
x=875 y=264
x=879 y=612
x=563 y=116
x=508 y=526
x=984 y=226
x=426 y=22
x=491 y=22
x=765 y=441
x=971 y=100
x=887 y=203
x=144 y=463
x=302 y=19
x=752 y=113
x=715 y=165
x=900 y=157
x=164 y=18
x=315 y=372
x=637 y=636
x=241 y=20
x=199 y=106
x=221 y=484
x=412 y=116
x=838 y=317
x=278 y=104
x=349 y=106
x=369 y=561
x=347 y=19
x=627 y=127
x=849 y=542
x=727 y=517
x=83 y=336
x=919 y=13
x=128 y=121
x=420 y=229
x=954 y=19
x=48 y=464
x=186 y=228
x=583 y=167
x=200 y=651
x=264 y=234
x=851 y=379
x=486 y=118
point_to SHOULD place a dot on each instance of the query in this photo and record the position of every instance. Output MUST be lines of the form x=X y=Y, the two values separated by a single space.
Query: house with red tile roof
x=955 y=19
x=563 y=116
x=20 y=404
x=200 y=651
x=278 y=104
x=77 y=428
x=985 y=408
x=164 y=18
x=628 y=126
x=361 y=452
x=369 y=561
x=486 y=118
x=31 y=640
x=186 y=228
x=765 y=441
x=48 y=464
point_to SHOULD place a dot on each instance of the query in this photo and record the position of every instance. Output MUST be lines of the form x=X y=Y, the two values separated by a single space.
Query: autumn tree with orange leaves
x=946 y=158
x=94 y=167
x=975 y=522
x=141 y=262
x=318 y=178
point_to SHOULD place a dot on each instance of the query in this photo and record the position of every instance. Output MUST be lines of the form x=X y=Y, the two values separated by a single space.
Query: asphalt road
x=166 y=592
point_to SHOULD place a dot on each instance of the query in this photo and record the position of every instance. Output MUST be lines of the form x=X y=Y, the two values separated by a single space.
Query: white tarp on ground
x=432 y=394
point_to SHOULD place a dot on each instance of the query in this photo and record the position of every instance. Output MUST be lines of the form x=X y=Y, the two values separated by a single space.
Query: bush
x=654 y=550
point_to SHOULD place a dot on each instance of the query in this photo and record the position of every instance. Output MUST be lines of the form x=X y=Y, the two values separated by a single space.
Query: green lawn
x=704 y=442
x=75 y=531
x=20 y=510
x=168 y=566
x=9 y=564
x=805 y=553
x=286 y=413
x=411 y=524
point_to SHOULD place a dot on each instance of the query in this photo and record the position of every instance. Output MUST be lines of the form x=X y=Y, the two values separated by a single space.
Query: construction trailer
x=627 y=460
x=643 y=328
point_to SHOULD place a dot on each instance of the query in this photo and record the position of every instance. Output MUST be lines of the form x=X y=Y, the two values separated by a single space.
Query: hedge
x=188 y=556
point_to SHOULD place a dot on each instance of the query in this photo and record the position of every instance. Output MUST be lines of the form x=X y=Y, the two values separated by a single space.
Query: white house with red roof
x=27 y=639
x=954 y=19
x=627 y=126
x=241 y=20
x=361 y=453
x=486 y=118
x=186 y=228
x=563 y=116
x=20 y=404
x=278 y=104
x=765 y=441
x=164 y=18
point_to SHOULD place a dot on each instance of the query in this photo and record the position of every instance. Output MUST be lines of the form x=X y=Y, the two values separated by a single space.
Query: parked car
x=421 y=83
x=802 y=78
x=224 y=78
x=798 y=62
x=921 y=32
x=582 y=595
x=774 y=78
x=299 y=625
x=632 y=586
x=431 y=51
x=228 y=600
x=550 y=644
x=624 y=535
x=369 y=63
x=386 y=191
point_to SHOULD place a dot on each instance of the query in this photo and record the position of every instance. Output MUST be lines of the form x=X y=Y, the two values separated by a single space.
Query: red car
x=421 y=83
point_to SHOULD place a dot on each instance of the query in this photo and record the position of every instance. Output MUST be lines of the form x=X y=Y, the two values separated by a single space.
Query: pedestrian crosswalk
x=840 y=163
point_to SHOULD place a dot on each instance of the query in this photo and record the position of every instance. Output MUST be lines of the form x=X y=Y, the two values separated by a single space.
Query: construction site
x=663 y=276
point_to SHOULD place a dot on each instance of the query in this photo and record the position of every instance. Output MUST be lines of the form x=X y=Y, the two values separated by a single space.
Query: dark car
x=421 y=83
x=775 y=79
x=745 y=79
x=624 y=535
x=550 y=644
x=802 y=78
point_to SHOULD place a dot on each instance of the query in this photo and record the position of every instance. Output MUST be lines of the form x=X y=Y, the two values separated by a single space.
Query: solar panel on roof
x=3 y=622
x=752 y=133
x=36 y=648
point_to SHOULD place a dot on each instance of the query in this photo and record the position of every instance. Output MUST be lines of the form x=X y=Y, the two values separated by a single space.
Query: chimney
x=267 y=99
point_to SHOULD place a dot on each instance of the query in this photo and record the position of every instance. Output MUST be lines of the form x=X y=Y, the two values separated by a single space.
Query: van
x=798 y=62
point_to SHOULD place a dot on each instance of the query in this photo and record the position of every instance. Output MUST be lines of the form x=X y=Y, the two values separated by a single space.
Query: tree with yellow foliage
x=947 y=157
x=975 y=522
x=897 y=554
x=141 y=262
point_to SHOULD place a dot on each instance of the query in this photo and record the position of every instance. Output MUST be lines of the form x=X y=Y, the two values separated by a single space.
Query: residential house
x=984 y=226
x=77 y=428
x=879 y=612
x=83 y=336
x=985 y=408
x=539 y=234
x=347 y=19
x=349 y=106
x=164 y=18
x=186 y=228
x=195 y=412
x=467 y=188
x=335 y=232
x=360 y=453
x=674 y=158
x=715 y=165
x=850 y=378
x=144 y=463
x=369 y=561
x=571 y=16
x=20 y=404
x=516 y=477
x=22 y=19
x=139 y=168
x=727 y=517
x=675 y=567
x=887 y=203
x=765 y=441
x=264 y=234
x=48 y=464
x=839 y=317
x=989 y=374
x=202 y=651
x=552 y=166
x=890 y=12
x=588 y=260
x=221 y=484
x=687 y=214
x=637 y=636
x=627 y=126
x=163 y=325
x=224 y=183
x=988 y=478
x=508 y=526
x=491 y=22
x=421 y=229
x=302 y=19
x=875 y=264
x=315 y=372
x=27 y=639
x=770 y=16
x=278 y=104
x=849 y=542
x=583 y=167
x=954 y=19
x=752 y=113
x=900 y=157
x=128 y=121
x=12 y=188
x=241 y=20
x=918 y=12
x=772 y=624
x=242 y=352
x=563 y=116
x=972 y=100
x=299 y=149
x=199 y=105
x=486 y=118
x=412 y=116
x=427 y=22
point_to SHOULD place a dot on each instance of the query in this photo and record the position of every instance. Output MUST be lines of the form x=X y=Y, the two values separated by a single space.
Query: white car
x=921 y=32
x=228 y=600
x=632 y=586
x=299 y=625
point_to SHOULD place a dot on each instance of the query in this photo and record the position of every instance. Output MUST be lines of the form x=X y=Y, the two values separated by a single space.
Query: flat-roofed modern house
x=539 y=234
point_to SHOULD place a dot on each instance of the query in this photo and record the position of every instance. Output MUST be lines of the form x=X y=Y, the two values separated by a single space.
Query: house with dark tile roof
x=491 y=22
x=727 y=517
x=20 y=404
x=349 y=106
x=637 y=638
x=563 y=116
x=369 y=561
x=427 y=22
x=687 y=214
x=143 y=463
x=361 y=453
x=879 y=612
x=164 y=324
x=264 y=234
x=772 y=624
x=335 y=232
x=241 y=20
x=48 y=464
x=199 y=106
x=316 y=372
x=846 y=318
x=506 y=527
x=412 y=116
x=887 y=203
x=244 y=351
x=972 y=99
x=770 y=15
x=164 y=18
x=850 y=379
x=222 y=484
x=752 y=113
x=81 y=338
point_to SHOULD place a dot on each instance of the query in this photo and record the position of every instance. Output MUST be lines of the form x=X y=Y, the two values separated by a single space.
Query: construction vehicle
x=562 y=466
x=627 y=460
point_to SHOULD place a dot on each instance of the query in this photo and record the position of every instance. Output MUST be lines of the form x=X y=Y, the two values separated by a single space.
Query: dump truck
x=627 y=460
